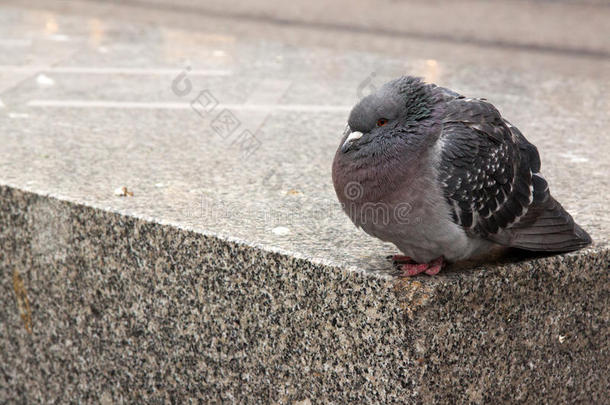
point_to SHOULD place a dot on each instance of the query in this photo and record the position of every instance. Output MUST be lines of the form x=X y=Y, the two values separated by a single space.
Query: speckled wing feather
x=490 y=177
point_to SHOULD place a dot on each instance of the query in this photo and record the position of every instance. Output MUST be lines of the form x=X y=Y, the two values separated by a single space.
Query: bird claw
x=431 y=269
x=396 y=259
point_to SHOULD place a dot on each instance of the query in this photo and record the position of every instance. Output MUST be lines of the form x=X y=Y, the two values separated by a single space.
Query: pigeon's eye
x=382 y=121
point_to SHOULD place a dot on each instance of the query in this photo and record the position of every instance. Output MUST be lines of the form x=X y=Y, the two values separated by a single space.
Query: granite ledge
x=103 y=306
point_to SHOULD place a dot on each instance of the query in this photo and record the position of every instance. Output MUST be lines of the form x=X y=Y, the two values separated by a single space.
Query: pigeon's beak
x=350 y=139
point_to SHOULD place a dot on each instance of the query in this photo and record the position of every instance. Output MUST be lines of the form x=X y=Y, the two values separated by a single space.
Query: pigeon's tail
x=548 y=227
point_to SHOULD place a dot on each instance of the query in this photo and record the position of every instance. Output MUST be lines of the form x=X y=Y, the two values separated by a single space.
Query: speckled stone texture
x=121 y=309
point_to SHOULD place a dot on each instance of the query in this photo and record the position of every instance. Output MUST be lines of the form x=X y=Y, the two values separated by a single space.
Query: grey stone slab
x=182 y=171
x=234 y=276
x=100 y=306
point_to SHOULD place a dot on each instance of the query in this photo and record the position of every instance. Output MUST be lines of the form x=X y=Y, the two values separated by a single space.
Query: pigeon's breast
x=399 y=200
x=416 y=219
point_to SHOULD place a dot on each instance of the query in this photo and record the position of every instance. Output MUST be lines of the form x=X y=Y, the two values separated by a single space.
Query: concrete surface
x=231 y=274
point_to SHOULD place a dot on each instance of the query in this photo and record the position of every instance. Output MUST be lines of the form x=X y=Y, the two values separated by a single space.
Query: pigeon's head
x=393 y=115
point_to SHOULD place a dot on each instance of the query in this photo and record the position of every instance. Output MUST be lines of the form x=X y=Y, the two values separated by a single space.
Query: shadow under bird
x=445 y=178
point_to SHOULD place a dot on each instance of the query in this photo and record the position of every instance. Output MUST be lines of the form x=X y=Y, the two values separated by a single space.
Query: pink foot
x=435 y=266
x=432 y=268
x=401 y=259
x=411 y=269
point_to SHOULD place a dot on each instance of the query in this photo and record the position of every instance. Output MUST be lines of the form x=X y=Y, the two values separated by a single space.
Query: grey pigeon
x=445 y=178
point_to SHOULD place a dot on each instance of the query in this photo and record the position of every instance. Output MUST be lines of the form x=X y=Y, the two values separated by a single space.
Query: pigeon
x=445 y=178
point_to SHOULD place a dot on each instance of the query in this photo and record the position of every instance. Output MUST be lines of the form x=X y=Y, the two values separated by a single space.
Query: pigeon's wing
x=490 y=176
